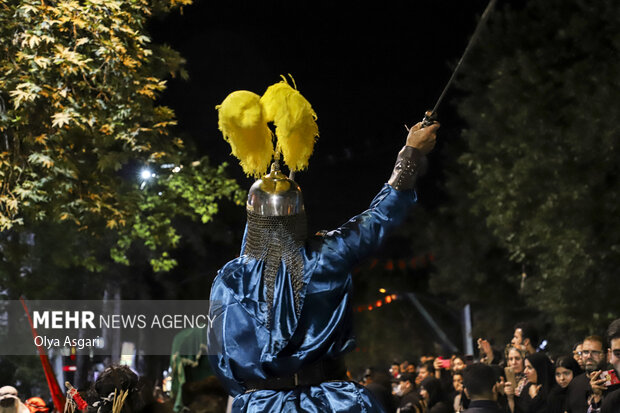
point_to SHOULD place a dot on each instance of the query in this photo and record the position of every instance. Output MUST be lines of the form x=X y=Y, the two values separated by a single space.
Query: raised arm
x=362 y=234
x=409 y=162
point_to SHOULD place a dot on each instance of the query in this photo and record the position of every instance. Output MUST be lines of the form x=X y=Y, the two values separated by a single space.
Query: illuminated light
x=379 y=303
x=69 y=368
x=388 y=299
x=393 y=296
x=369 y=308
x=382 y=290
x=146 y=174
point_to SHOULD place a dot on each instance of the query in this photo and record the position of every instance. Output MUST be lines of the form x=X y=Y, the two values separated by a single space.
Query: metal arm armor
x=409 y=164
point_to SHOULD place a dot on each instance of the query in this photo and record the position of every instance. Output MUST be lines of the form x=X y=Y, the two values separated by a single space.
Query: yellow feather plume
x=295 y=122
x=244 y=127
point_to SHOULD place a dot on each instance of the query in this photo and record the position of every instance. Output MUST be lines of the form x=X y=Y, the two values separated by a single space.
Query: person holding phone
x=579 y=389
x=605 y=384
x=515 y=376
x=446 y=369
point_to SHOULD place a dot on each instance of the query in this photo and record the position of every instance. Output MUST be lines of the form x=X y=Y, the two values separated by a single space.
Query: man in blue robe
x=281 y=312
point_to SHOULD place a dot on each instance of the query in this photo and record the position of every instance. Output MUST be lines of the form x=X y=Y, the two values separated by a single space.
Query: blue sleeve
x=364 y=233
x=216 y=338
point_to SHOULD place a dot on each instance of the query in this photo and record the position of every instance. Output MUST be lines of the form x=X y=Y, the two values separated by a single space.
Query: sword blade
x=474 y=37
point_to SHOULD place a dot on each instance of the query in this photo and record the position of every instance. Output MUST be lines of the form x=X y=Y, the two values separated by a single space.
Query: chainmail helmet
x=276 y=231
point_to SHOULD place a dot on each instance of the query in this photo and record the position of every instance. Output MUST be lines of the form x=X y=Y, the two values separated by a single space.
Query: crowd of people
x=518 y=380
x=521 y=380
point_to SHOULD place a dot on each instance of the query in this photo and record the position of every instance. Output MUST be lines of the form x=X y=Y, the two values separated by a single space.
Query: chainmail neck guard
x=274 y=239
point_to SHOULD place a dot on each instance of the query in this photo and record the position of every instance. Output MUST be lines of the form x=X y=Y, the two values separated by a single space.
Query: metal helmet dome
x=275 y=195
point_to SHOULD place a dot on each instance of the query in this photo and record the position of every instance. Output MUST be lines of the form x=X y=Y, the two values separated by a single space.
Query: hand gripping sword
x=430 y=119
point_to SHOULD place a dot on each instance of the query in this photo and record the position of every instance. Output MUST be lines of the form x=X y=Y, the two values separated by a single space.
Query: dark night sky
x=366 y=70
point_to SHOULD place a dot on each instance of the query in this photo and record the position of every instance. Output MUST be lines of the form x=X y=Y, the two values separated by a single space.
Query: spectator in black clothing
x=434 y=397
x=606 y=395
x=409 y=399
x=539 y=373
x=479 y=382
x=525 y=337
x=457 y=364
x=445 y=370
x=611 y=403
x=425 y=370
x=456 y=398
x=579 y=388
x=405 y=367
x=379 y=384
x=566 y=368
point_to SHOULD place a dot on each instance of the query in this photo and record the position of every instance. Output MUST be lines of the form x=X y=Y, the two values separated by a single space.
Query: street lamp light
x=145 y=174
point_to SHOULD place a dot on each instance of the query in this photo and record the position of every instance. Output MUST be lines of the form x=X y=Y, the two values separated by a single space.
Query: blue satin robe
x=242 y=348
